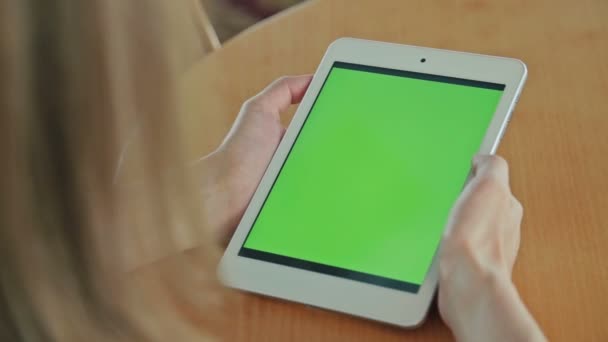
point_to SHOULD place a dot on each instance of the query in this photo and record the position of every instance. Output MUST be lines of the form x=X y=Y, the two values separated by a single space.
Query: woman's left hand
x=232 y=173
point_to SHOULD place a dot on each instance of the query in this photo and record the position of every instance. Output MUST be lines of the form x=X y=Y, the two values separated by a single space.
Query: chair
x=194 y=39
x=209 y=39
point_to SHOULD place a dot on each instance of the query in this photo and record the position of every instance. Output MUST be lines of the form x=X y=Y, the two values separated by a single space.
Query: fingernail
x=477 y=159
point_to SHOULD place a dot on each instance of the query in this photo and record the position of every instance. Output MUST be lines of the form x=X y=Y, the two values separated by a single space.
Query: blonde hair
x=76 y=77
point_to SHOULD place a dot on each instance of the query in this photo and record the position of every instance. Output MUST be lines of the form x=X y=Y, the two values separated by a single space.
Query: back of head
x=77 y=77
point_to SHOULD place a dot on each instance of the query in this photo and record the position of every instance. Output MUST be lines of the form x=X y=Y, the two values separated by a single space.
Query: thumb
x=279 y=95
x=491 y=166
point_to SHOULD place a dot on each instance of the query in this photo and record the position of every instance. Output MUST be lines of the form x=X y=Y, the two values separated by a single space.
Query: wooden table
x=557 y=142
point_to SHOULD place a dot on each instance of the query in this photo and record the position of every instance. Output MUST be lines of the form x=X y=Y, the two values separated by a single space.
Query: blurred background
x=229 y=17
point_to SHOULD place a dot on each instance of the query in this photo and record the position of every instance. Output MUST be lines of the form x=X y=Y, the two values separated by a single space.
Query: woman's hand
x=477 y=299
x=232 y=173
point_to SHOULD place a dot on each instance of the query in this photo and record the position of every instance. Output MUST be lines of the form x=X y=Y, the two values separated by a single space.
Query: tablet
x=350 y=212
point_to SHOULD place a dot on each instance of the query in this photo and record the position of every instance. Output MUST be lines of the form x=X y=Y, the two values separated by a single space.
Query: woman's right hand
x=477 y=298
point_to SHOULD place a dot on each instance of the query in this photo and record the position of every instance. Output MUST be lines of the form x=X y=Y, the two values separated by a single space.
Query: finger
x=491 y=166
x=514 y=231
x=282 y=93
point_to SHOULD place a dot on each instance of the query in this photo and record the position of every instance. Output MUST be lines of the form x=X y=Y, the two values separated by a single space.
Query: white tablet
x=350 y=212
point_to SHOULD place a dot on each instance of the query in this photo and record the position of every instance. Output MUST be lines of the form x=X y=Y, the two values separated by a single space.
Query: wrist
x=217 y=193
x=486 y=307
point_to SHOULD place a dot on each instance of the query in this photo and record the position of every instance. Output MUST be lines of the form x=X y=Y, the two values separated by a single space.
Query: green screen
x=368 y=185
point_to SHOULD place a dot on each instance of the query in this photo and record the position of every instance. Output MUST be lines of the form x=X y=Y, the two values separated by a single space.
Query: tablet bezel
x=341 y=294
